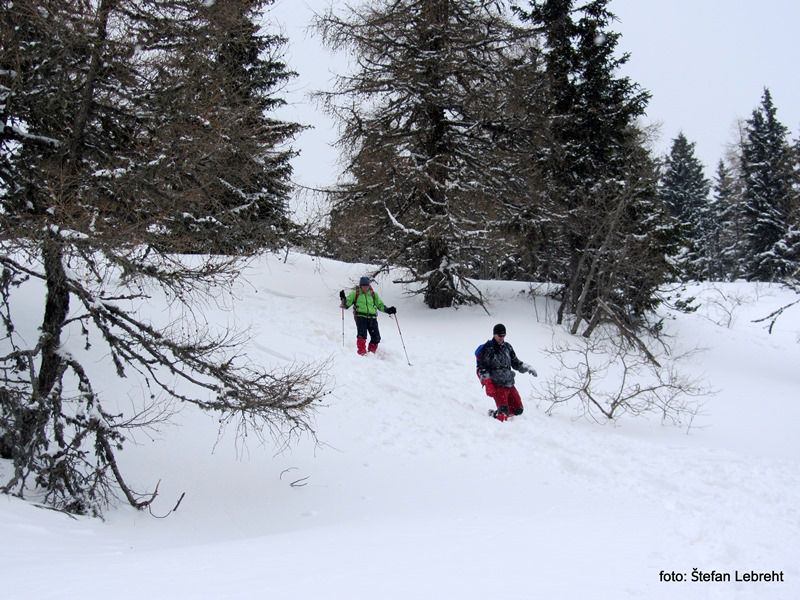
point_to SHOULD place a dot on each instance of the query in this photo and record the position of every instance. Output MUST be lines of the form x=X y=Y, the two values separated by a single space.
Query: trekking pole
x=342 y=304
x=401 y=338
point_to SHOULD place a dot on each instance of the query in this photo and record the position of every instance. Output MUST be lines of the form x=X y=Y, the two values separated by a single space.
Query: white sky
x=705 y=62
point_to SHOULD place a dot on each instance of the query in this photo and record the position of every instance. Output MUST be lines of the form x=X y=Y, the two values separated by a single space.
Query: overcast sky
x=705 y=62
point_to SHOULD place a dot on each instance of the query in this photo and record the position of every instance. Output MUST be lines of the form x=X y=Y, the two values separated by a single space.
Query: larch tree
x=231 y=69
x=429 y=149
x=131 y=128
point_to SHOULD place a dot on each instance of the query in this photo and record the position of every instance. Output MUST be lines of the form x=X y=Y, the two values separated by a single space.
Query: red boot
x=373 y=348
x=361 y=345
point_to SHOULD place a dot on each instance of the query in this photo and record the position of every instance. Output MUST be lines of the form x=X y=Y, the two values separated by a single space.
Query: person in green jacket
x=366 y=303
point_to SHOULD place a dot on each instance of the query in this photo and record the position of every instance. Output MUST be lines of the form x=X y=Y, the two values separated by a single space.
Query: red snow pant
x=364 y=326
x=507 y=399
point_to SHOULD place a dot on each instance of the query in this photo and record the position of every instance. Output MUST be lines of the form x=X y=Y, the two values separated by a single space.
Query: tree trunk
x=569 y=295
x=82 y=115
x=57 y=304
x=590 y=281
x=440 y=290
x=55 y=313
x=31 y=417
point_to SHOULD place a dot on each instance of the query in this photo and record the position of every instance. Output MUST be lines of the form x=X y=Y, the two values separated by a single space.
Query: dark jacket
x=496 y=362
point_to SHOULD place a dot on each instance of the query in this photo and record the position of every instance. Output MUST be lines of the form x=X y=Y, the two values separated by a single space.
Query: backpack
x=478 y=352
x=371 y=292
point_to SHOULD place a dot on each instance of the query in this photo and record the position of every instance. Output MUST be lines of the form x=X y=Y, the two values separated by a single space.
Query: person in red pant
x=496 y=360
x=366 y=303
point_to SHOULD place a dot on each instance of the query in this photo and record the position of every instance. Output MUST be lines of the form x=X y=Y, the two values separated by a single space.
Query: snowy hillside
x=412 y=492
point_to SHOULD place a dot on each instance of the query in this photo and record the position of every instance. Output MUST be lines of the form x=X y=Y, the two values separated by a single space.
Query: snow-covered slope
x=412 y=492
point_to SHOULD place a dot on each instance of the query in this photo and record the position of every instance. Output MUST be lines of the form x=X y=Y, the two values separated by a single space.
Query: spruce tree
x=729 y=215
x=791 y=241
x=684 y=189
x=767 y=175
x=428 y=157
x=595 y=169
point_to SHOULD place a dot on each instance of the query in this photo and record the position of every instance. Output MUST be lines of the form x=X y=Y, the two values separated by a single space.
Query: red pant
x=505 y=396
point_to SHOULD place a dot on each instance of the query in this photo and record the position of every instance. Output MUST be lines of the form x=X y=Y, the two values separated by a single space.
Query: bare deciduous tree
x=608 y=377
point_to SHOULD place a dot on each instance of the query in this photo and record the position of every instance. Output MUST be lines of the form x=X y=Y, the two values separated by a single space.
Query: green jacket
x=366 y=305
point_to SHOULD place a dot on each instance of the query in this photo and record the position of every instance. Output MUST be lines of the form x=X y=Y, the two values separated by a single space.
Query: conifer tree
x=684 y=190
x=228 y=70
x=791 y=242
x=428 y=150
x=709 y=263
x=728 y=213
x=767 y=178
x=600 y=179
x=130 y=128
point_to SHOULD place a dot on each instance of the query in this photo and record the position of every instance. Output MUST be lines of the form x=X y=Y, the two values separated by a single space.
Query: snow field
x=412 y=492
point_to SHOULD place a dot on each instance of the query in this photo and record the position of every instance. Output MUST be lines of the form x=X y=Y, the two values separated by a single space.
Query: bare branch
x=609 y=377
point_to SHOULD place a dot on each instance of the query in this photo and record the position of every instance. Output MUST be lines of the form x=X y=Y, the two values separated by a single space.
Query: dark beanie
x=363 y=281
x=499 y=329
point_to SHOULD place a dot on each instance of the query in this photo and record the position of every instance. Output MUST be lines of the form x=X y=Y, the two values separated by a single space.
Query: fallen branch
x=773 y=317
x=175 y=508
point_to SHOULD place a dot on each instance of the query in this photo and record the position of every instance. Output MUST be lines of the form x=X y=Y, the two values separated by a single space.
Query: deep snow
x=412 y=492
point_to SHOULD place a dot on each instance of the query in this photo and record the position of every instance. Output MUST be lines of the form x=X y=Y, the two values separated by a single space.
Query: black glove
x=342 y=296
x=391 y=310
x=529 y=369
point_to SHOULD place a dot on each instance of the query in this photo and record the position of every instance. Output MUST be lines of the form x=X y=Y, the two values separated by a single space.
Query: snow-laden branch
x=402 y=227
x=15 y=133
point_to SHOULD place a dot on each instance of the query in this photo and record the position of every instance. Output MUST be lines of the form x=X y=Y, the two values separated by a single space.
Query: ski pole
x=401 y=338
x=343 y=327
